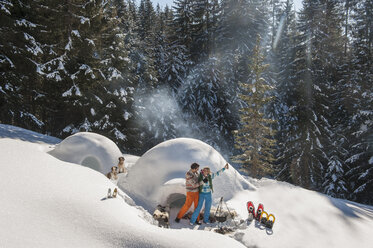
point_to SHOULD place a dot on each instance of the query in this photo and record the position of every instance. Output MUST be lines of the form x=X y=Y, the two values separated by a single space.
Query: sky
x=162 y=3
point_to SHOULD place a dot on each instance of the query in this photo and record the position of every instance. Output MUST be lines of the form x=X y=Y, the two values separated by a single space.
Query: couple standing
x=199 y=188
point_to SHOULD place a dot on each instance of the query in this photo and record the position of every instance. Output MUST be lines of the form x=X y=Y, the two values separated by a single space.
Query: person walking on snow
x=192 y=187
x=205 y=195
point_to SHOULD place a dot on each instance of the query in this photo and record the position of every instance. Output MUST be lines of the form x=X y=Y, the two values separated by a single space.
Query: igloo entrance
x=175 y=200
x=92 y=163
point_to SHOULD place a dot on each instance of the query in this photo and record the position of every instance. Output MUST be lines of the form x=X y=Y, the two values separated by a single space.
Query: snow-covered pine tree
x=200 y=47
x=183 y=17
x=317 y=63
x=114 y=112
x=21 y=52
x=360 y=102
x=332 y=59
x=283 y=71
x=206 y=105
x=241 y=22
x=306 y=167
x=84 y=87
x=254 y=138
x=232 y=39
x=212 y=25
x=334 y=183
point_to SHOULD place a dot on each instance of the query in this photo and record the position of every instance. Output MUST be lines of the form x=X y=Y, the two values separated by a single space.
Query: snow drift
x=159 y=175
x=46 y=202
x=89 y=149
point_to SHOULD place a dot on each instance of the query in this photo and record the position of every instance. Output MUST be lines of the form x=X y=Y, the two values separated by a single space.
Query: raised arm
x=226 y=167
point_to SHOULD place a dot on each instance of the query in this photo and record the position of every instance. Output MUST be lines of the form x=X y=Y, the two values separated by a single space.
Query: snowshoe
x=259 y=212
x=115 y=192
x=264 y=219
x=109 y=193
x=250 y=210
x=270 y=221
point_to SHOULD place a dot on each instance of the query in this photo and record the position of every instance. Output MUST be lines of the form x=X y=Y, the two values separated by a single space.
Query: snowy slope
x=305 y=218
x=47 y=202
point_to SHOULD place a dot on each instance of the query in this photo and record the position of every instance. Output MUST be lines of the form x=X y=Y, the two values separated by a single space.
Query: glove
x=205 y=180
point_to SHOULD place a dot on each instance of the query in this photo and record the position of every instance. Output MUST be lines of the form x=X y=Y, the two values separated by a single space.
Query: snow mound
x=46 y=202
x=12 y=132
x=89 y=149
x=160 y=172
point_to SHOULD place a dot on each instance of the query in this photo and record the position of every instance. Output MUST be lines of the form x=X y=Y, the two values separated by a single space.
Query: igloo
x=158 y=177
x=88 y=149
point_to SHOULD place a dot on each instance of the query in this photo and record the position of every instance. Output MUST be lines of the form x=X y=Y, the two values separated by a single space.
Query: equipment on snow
x=263 y=219
x=109 y=193
x=267 y=221
x=224 y=230
x=115 y=192
x=220 y=217
x=259 y=211
x=270 y=221
x=250 y=210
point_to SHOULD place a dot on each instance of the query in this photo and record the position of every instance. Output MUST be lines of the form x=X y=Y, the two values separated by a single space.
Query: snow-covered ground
x=48 y=202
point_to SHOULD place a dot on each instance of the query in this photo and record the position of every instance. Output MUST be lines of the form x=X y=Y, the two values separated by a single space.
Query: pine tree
x=205 y=102
x=317 y=64
x=200 y=47
x=360 y=104
x=182 y=23
x=255 y=137
x=283 y=74
x=115 y=111
x=25 y=48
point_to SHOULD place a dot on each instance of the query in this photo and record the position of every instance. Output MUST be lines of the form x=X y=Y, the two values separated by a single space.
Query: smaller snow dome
x=88 y=149
x=158 y=177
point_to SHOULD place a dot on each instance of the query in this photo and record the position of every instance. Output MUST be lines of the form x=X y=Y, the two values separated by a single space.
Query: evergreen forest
x=280 y=94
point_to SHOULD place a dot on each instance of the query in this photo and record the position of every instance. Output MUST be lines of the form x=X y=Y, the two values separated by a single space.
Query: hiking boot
x=177 y=220
x=207 y=223
x=198 y=223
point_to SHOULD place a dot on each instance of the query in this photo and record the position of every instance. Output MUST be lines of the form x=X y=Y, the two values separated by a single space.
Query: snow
x=89 y=149
x=33 y=117
x=170 y=160
x=69 y=92
x=60 y=204
x=4 y=5
x=90 y=42
x=69 y=44
x=126 y=115
x=49 y=202
x=35 y=49
x=4 y=58
x=25 y=23
x=76 y=33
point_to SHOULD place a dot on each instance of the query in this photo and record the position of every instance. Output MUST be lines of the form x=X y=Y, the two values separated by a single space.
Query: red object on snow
x=250 y=207
x=259 y=211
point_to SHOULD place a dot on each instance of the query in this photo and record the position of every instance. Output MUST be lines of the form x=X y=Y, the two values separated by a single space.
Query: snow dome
x=88 y=149
x=158 y=177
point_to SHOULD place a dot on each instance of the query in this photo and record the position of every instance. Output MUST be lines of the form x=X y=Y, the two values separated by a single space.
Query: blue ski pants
x=203 y=197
